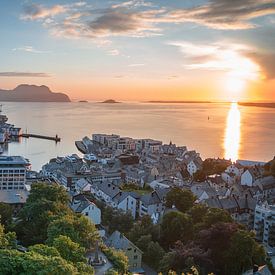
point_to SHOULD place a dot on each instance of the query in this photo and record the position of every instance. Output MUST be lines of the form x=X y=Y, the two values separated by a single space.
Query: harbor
x=8 y=132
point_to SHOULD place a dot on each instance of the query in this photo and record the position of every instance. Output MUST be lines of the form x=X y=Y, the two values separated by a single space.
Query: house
x=82 y=185
x=118 y=241
x=128 y=202
x=105 y=191
x=194 y=165
x=241 y=209
x=15 y=198
x=267 y=187
x=249 y=176
x=81 y=204
x=152 y=204
x=203 y=191
x=235 y=168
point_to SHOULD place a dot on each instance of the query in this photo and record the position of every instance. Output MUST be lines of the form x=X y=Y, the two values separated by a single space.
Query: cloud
x=29 y=49
x=266 y=61
x=84 y=21
x=224 y=14
x=222 y=56
x=113 y=52
x=136 y=65
x=37 y=11
x=23 y=74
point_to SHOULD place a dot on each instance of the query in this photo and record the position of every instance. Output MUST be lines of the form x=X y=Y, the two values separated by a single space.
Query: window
x=86 y=213
x=135 y=257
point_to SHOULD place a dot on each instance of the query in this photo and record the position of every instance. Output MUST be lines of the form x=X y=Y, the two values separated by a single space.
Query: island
x=32 y=93
x=110 y=101
x=257 y=104
x=83 y=101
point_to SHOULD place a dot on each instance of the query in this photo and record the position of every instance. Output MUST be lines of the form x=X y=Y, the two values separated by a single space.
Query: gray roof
x=108 y=188
x=14 y=196
x=151 y=198
x=14 y=160
x=122 y=195
x=119 y=241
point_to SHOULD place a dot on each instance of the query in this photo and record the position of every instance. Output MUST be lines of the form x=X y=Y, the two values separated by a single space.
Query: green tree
x=69 y=250
x=44 y=250
x=77 y=227
x=153 y=254
x=7 y=240
x=176 y=226
x=215 y=215
x=31 y=263
x=197 y=213
x=182 y=199
x=243 y=249
x=43 y=204
x=5 y=214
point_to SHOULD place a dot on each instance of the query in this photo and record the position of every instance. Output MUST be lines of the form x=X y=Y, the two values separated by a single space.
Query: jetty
x=56 y=138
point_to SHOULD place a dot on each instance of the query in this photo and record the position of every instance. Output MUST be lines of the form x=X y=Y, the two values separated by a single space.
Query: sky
x=141 y=50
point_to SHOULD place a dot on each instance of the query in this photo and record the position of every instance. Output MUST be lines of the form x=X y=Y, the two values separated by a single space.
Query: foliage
x=182 y=199
x=32 y=263
x=5 y=214
x=7 y=240
x=136 y=188
x=143 y=227
x=69 y=250
x=117 y=257
x=116 y=219
x=77 y=227
x=197 y=213
x=111 y=272
x=43 y=204
x=199 y=176
x=175 y=226
x=44 y=250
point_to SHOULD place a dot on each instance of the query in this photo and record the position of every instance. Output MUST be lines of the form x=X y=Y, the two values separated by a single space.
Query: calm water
x=231 y=130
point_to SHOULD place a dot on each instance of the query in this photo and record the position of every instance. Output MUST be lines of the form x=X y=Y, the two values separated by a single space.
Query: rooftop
x=15 y=160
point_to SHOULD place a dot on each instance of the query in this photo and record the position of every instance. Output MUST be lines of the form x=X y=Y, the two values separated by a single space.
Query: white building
x=13 y=172
x=82 y=205
x=264 y=224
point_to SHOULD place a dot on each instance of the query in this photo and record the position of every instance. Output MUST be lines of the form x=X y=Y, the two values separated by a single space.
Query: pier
x=55 y=138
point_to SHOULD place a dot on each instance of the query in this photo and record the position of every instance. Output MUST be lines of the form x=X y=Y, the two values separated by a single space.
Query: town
x=143 y=178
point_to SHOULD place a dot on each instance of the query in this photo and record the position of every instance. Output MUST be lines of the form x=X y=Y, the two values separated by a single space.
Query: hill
x=32 y=93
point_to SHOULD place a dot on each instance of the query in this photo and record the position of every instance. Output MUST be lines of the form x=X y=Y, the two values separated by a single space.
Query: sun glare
x=233 y=133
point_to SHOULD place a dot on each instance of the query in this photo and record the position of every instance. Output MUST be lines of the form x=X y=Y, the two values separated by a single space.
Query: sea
x=212 y=129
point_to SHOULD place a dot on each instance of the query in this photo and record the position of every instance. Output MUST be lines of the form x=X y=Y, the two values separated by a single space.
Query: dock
x=55 y=138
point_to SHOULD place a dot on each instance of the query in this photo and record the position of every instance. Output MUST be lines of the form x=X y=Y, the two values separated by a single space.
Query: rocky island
x=32 y=93
x=111 y=101
x=257 y=104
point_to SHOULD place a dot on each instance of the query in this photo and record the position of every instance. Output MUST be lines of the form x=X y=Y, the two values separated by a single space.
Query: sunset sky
x=141 y=50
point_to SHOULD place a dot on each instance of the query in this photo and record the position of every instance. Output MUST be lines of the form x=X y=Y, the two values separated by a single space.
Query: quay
x=55 y=138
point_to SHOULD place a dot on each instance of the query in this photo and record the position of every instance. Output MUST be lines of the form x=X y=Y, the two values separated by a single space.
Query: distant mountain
x=32 y=93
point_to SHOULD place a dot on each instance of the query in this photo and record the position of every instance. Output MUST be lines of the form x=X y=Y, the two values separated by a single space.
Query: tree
x=215 y=215
x=199 y=176
x=117 y=220
x=5 y=214
x=176 y=226
x=143 y=227
x=32 y=263
x=69 y=250
x=77 y=227
x=182 y=199
x=7 y=240
x=153 y=254
x=44 y=250
x=197 y=213
x=272 y=168
x=44 y=203
x=242 y=250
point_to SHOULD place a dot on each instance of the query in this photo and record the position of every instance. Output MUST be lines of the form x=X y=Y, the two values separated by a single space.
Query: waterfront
x=206 y=127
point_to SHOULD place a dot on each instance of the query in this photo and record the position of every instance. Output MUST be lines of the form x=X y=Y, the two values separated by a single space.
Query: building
x=264 y=224
x=81 y=204
x=134 y=254
x=13 y=170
